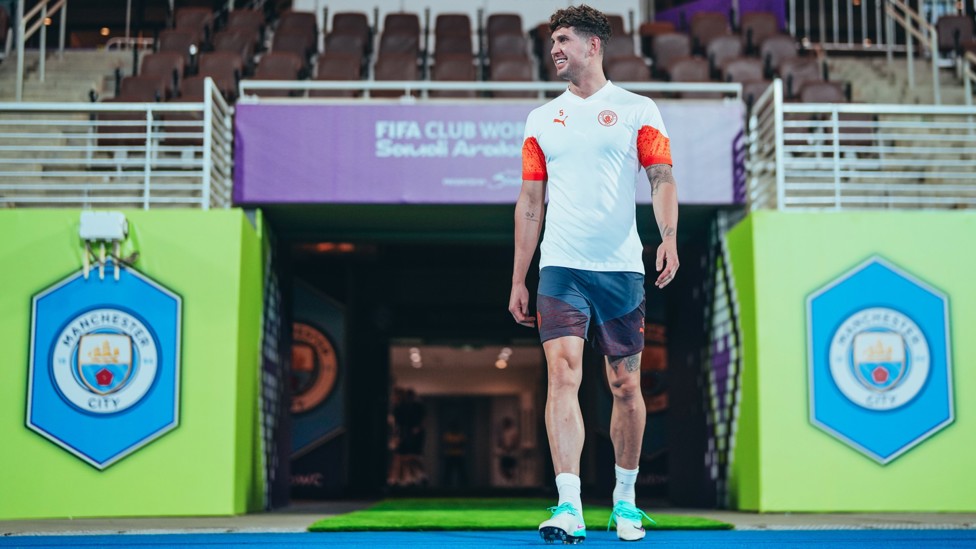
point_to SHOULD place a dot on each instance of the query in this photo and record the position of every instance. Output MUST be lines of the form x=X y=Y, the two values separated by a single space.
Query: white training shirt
x=591 y=152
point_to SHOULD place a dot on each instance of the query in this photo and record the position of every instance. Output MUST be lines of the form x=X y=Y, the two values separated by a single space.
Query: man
x=586 y=148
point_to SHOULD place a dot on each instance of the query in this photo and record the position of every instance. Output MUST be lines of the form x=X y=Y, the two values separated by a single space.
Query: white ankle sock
x=624 y=490
x=568 y=485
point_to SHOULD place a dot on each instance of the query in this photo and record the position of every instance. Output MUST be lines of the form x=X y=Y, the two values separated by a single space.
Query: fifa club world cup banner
x=452 y=153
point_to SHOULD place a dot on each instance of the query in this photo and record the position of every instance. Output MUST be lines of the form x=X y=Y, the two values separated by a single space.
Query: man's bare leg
x=564 y=426
x=628 y=416
x=564 y=420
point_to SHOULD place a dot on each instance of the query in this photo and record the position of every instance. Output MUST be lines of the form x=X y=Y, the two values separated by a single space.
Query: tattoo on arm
x=660 y=174
x=531 y=216
x=666 y=230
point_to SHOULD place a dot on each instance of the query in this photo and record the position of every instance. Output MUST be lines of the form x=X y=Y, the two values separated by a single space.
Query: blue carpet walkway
x=862 y=539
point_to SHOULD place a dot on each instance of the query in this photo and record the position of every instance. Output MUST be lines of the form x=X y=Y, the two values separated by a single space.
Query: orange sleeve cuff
x=533 y=161
x=653 y=147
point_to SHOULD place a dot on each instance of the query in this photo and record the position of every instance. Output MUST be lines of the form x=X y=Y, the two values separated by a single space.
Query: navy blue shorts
x=570 y=301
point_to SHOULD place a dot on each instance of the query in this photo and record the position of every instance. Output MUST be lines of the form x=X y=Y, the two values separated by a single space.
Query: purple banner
x=681 y=15
x=452 y=153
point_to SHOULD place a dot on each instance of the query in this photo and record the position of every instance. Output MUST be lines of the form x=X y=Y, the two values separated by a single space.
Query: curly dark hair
x=585 y=20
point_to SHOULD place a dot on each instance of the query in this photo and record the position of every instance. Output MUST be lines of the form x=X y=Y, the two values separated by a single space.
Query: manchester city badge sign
x=104 y=364
x=879 y=360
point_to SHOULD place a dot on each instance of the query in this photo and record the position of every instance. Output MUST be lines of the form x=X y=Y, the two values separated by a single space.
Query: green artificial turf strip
x=483 y=514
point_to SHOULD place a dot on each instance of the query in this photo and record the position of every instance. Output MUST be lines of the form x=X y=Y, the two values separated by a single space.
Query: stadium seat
x=352 y=22
x=616 y=25
x=300 y=21
x=823 y=92
x=294 y=40
x=337 y=66
x=512 y=69
x=245 y=19
x=398 y=41
x=195 y=20
x=705 y=27
x=757 y=26
x=459 y=68
x=774 y=50
x=226 y=68
x=667 y=48
x=402 y=22
x=395 y=66
x=692 y=69
x=178 y=41
x=167 y=66
x=618 y=46
x=447 y=24
x=721 y=50
x=507 y=44
x=278 y=66
x=742 y=69
x=343 y=41
x=239 y=41
x=797 y=72
x=453 y=44
x=953 y=32
x=628 y=69
x=651 y=29
x=500 y=23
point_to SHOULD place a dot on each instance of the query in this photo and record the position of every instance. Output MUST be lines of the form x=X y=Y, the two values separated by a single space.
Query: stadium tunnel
x=413 y=297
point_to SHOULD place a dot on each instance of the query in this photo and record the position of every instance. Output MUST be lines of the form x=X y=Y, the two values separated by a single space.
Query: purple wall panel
x=448 y=153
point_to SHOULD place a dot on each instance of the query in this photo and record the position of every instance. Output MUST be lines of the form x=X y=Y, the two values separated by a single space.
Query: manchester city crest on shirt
x=104 y=363
x=879 y=360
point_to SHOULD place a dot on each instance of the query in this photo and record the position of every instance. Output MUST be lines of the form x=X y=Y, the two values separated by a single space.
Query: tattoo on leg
x=631 y=363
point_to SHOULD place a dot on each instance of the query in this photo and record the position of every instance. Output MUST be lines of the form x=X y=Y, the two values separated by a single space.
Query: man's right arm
x=529 y=214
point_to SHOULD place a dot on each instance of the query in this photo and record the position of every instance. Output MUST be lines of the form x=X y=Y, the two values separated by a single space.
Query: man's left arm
x=664 y=196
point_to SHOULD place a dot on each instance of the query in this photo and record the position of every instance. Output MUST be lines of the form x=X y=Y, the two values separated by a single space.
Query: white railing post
x=21 y=28
x=778 y=121
x=208 y=91
x=61 y=24
x=41 y=66
x=147 y=166
x=910 y=52
x=835 y=130
x=934 y=47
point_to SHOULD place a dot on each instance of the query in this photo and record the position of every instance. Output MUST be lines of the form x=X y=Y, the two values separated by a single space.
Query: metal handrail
x=969 y=75
x=42 y=11
x=916 y=26
x=249 y=87
x=843 y=156
x=138 y=154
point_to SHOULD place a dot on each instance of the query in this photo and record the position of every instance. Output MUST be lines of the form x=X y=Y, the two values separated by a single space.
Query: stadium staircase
x=874 y=80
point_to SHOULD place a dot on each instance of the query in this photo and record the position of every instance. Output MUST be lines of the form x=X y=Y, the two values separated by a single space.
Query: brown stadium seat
x=742 y=69
x=168 y=66
x=499 y=23
x=507 y=44
x=756 y=26
x=294 y=41
x=195 y=20
x=178 y=41
x=395 y=66
x=245 y=19
x=954 y=31
x=351 y=43
x=512 y=69
x=402 y=22
x=651 y=29
x=797 y=72
x=692 y=69
x=278 y=66
x=351 y=22
x=239 y=41
x=338 y=66
x=706 y=26
x=667 y=48
x=298 y=21
x=541 y=41
x=226 y=68
x=620 y=45
x=134 y=89
x=628 y=69
x=452 y=24
x=774 y=50
x=721 y=50
x=453 y=44
x=397 y=41
x=616 y=25
x=823 y=92
x=458 y=68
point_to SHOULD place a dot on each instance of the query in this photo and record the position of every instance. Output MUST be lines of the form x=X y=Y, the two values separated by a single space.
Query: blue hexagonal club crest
x=879 y=360
x=104 y=364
